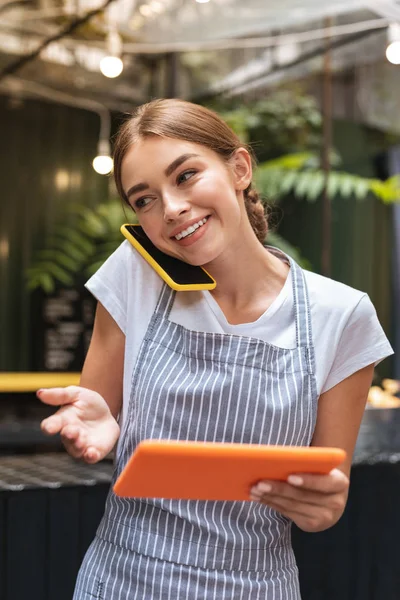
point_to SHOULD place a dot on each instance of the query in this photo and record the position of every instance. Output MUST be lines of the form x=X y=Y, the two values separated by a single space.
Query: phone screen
x=181 y=272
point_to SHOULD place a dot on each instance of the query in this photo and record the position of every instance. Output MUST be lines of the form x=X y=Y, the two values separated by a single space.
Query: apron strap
x=165 y=301
x=301 y=306
x=302 y=313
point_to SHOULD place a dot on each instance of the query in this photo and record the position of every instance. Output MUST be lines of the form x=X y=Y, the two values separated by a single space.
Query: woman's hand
x=313 y=502
x=88 y=429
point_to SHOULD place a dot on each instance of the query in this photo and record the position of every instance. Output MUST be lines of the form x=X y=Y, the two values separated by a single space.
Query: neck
x=246 y=273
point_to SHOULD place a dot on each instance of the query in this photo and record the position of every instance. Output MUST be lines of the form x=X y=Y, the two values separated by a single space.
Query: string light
x=103 y=163
x=393 y=49
x=111 y=66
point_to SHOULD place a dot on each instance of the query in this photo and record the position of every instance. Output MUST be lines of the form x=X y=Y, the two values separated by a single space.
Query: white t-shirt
x=346 y=332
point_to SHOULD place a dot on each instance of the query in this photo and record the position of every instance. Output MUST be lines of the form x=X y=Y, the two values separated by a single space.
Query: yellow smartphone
x=177 y=274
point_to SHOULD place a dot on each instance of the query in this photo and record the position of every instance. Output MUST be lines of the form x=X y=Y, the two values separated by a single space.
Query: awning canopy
x=220 y=44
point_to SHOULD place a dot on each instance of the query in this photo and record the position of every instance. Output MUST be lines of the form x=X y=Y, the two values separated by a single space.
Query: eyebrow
x=140 y=187
x=177 y=163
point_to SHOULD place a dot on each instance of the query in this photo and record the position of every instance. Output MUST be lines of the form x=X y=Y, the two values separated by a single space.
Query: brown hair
x=183 y=120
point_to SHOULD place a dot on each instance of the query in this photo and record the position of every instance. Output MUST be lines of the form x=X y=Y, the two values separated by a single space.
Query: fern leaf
x=346 y=185
x=316 y=186
x=302 y=184
x=73 y=235
x=361 y=188
x=288 y=181
x=290 y=161
x=58 y=273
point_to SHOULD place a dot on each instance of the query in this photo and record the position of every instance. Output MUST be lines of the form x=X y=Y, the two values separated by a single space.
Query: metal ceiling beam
x=389 y=9
x=14 y=66
x=260 y=77
x=10 y=5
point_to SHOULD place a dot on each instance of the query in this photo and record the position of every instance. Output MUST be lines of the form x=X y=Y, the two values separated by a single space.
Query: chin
x=196 y=263
x=197 y=258
x=202 y=260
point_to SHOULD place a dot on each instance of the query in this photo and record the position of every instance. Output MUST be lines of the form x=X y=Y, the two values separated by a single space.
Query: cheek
x=205 y=188
x=154 y=234
x=150 y=227
x=216 y=192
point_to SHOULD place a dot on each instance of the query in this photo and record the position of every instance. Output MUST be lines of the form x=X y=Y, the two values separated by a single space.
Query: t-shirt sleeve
x=362 y=343
x=109 y=285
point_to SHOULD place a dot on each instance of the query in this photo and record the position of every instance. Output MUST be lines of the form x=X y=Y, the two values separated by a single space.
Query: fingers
x=313 y=502
x=74 y=440
x=335 y=481
x=52 y=425
x=73 y=433
x=73 y=437
x=306 y=508
x=92 y=455
x=76 y=446
x=83 y=420
x=59 y=396
x=307 y=518
x=305 y=487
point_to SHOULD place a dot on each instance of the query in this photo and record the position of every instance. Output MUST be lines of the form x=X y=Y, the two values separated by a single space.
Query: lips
x=188 y=229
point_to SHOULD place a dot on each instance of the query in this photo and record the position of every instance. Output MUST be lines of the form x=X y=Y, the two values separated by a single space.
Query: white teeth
x=190 y=229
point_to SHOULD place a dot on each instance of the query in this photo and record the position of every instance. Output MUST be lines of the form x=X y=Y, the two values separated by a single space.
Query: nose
x=174 y=206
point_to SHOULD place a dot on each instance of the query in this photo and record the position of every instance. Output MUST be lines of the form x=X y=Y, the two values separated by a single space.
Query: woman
x=273 y=355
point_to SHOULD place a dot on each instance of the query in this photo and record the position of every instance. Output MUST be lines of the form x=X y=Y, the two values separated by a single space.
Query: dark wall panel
x=361 y=231
x=46 y=151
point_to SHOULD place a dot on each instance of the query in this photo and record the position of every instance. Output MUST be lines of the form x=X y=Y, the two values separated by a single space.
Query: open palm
x=84 y=421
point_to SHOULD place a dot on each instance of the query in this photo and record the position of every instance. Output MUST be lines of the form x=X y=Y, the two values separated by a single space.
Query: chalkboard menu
x=62 y=325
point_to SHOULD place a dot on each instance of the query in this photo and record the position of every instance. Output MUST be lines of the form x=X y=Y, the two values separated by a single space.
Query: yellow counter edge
x=30 y=382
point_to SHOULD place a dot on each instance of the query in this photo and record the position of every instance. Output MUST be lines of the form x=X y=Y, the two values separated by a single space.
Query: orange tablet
x=215 y=471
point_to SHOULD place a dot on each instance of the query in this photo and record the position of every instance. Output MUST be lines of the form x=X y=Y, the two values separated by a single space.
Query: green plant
x=78 y=247
x=286 y=120
x=299 y=174
x=91 y=235
x=293 y=122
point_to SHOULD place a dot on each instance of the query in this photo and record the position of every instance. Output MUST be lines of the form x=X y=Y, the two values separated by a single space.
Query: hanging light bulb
x=112 y=65
x=103 y=163
x=393 y=49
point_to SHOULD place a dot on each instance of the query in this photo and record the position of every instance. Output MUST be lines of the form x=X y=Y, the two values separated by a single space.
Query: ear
x=242 y=168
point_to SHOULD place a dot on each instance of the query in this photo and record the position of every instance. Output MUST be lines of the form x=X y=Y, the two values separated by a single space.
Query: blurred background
x=314 y=88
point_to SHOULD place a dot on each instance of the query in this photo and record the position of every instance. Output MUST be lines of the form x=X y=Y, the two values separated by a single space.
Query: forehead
x=153 y=155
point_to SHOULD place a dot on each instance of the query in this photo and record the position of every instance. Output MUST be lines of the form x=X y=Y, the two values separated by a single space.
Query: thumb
x=59 y=396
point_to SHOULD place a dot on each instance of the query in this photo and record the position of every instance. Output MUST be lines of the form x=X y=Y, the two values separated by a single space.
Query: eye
x=186 y=175
x=142 y=202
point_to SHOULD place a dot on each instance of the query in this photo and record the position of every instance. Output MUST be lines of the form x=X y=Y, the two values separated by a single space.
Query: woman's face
x=188 y=201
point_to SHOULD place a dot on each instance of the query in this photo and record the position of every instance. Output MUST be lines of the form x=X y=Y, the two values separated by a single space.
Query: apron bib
x=190 y=385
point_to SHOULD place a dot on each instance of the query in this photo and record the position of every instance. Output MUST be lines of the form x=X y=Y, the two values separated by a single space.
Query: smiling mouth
x=191 y=229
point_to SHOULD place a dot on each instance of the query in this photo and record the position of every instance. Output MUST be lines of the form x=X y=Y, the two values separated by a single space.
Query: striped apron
x=190 y=385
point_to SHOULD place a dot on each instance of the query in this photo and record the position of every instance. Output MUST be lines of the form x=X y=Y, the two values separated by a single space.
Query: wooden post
x=172 y=75
x=326 y=229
